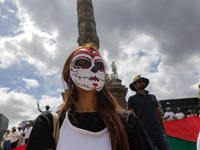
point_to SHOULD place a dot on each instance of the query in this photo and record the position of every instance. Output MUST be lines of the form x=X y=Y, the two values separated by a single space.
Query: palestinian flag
x=182 y=134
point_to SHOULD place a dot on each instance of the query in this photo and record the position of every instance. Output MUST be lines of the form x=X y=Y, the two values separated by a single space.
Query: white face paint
x=87 y=70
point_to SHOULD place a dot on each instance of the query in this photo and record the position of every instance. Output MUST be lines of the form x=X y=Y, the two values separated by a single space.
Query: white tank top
x=73 y=138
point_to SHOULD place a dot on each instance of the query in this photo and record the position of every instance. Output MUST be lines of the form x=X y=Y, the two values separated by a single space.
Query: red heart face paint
x=87 y=70
x=95 y=84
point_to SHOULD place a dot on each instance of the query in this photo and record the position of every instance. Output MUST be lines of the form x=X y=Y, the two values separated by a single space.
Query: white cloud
x=30 y=83
x=3 y=17
x=50 y=101
x=31 y=45
x=19 y=106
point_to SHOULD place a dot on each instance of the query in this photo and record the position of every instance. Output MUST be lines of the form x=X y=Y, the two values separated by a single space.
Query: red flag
x=20 y=148
x=186 y=129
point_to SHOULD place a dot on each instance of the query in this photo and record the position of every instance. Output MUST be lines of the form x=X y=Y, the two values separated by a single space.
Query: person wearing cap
x=27 y=131
x=6 y=140
x=14 y=137
x=190 y=113
x=179 y=114
x=169 y=115
x=145 y=106
x=20 y=131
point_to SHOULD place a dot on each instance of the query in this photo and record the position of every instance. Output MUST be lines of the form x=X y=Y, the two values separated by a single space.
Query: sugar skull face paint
x=87 y=70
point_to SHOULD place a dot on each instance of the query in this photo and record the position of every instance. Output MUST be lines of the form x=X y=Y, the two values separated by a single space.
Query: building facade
x=3 y=125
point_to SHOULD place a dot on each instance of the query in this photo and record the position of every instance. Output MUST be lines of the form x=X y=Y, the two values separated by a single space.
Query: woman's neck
x=86 y=102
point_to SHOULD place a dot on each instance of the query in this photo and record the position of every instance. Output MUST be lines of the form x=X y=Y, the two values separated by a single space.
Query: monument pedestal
x=118 y=91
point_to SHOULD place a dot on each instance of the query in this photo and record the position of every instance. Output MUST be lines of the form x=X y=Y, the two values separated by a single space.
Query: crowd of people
x=169 y=115
x=16 y=137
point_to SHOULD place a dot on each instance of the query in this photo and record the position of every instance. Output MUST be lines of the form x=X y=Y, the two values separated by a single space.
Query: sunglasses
x=141 y=81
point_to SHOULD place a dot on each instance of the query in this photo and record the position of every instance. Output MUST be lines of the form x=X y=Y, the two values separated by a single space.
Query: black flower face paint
x=87 y=70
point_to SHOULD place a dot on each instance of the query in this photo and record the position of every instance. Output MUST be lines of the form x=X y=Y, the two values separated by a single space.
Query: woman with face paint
x=89 y=118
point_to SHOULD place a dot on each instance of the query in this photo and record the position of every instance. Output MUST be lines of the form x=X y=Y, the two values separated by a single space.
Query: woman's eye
x=83 y=63
x=99 y=65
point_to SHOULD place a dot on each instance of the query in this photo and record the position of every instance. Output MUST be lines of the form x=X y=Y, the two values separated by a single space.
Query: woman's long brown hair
x=107 y=106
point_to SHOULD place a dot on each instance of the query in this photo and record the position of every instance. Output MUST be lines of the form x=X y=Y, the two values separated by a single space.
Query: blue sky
x=9 y=21
x=159 y=40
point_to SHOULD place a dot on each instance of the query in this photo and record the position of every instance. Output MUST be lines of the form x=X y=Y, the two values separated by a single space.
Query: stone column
x=86 y=24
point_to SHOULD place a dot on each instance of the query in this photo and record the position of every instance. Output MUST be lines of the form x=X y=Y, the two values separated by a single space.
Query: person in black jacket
x=89 y=118
x=145 y=106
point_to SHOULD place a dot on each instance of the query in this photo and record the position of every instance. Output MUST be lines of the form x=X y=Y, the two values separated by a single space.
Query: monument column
x=86 y=27
x=86 y=24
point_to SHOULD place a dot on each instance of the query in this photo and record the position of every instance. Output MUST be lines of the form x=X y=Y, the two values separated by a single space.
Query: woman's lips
x=94 y=78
